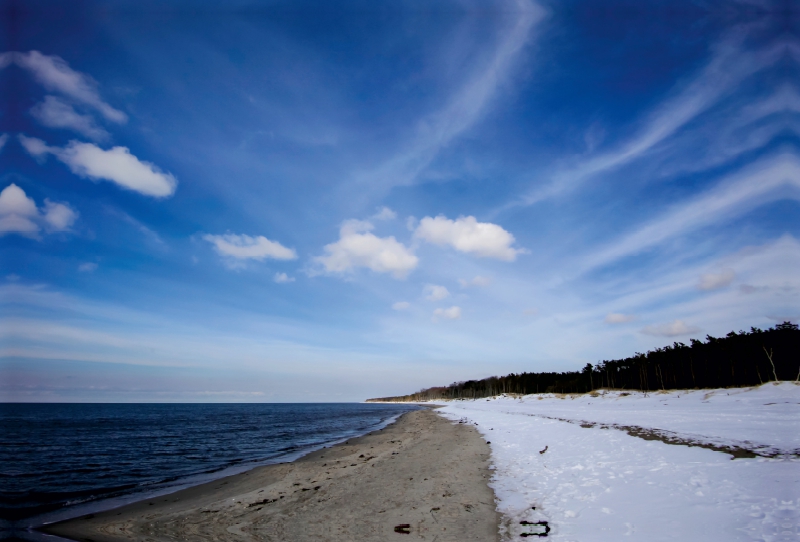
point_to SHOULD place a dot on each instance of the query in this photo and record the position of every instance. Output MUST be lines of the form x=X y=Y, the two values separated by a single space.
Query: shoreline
x=29 y=527
x=421 y=474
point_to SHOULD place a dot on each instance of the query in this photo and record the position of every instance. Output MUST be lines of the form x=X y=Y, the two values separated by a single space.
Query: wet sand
x=421 y=478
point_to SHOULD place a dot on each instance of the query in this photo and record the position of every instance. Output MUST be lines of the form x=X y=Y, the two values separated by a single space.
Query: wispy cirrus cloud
x=238 y=248
x=466 y=105
x=148 y=234
x=772 y=179
x=741 y=125
x=54 y=74
x=54 y=112
x=768 y=286
x=715 y=281
x=676 y=328
x=477 y=281
x=618 y=318
x=730 y=64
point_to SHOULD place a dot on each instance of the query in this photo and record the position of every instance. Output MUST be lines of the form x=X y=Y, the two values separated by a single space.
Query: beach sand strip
x=420 y=478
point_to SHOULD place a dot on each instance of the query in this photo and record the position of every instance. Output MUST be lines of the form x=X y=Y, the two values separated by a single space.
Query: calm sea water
x=57 y=458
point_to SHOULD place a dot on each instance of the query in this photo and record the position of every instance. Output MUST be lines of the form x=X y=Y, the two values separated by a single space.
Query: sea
x=59 y=461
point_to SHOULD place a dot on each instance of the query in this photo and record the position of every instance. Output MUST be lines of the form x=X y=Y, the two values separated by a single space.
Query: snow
x=597 y=482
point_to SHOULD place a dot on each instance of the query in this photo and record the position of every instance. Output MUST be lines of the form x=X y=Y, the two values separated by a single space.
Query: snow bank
x=597 y=480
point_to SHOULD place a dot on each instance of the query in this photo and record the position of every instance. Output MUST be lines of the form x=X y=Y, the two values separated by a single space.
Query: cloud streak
x=54 y=74
x=774 y=179
x=729 y=66
x=618 y=318
x=54 y=112
x=238 y=248
x=465 y=107
x=676 y=328
x=477 y=281
x=716 y=281
x=117 y=165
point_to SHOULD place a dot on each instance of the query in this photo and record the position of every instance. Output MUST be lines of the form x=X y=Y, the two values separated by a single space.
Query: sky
x=329 y=201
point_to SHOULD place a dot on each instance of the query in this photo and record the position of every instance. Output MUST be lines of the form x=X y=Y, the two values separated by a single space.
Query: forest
x=746 y=358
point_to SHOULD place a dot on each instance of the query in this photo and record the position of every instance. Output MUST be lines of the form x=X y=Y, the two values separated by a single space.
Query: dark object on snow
x=543 y=451
x=535 y=524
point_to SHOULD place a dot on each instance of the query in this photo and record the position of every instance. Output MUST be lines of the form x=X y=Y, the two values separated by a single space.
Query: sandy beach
x=421 y=478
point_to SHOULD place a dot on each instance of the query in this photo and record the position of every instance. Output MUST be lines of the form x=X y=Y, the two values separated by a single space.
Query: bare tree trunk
x=769 y=356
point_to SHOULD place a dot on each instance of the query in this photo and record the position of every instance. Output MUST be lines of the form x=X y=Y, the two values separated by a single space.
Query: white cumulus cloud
x=453 y=313
x=357 y=247
x=244 y=247
x=671 y=329
x=384 y=213
x=19 y=214
x=117 y=165
x=466 y=234
x=57 y=216
x=618 y=318
x=401 y=305
x=54 y=112
x=35 y=147
x=716 y=281
x=435 y=292
x=282 y=278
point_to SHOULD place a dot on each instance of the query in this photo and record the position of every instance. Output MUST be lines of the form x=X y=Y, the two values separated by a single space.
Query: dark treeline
x=746 y=358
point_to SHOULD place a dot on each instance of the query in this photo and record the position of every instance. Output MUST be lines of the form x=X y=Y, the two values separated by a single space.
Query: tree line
x=746 y=358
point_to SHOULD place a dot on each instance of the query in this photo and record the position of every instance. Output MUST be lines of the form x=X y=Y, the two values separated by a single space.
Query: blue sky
x=315 y=201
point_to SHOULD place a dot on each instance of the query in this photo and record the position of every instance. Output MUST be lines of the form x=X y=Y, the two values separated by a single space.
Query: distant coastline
x=747 y=358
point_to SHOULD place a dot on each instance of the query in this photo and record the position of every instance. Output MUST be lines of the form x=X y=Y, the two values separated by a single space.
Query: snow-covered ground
x=597 y=482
